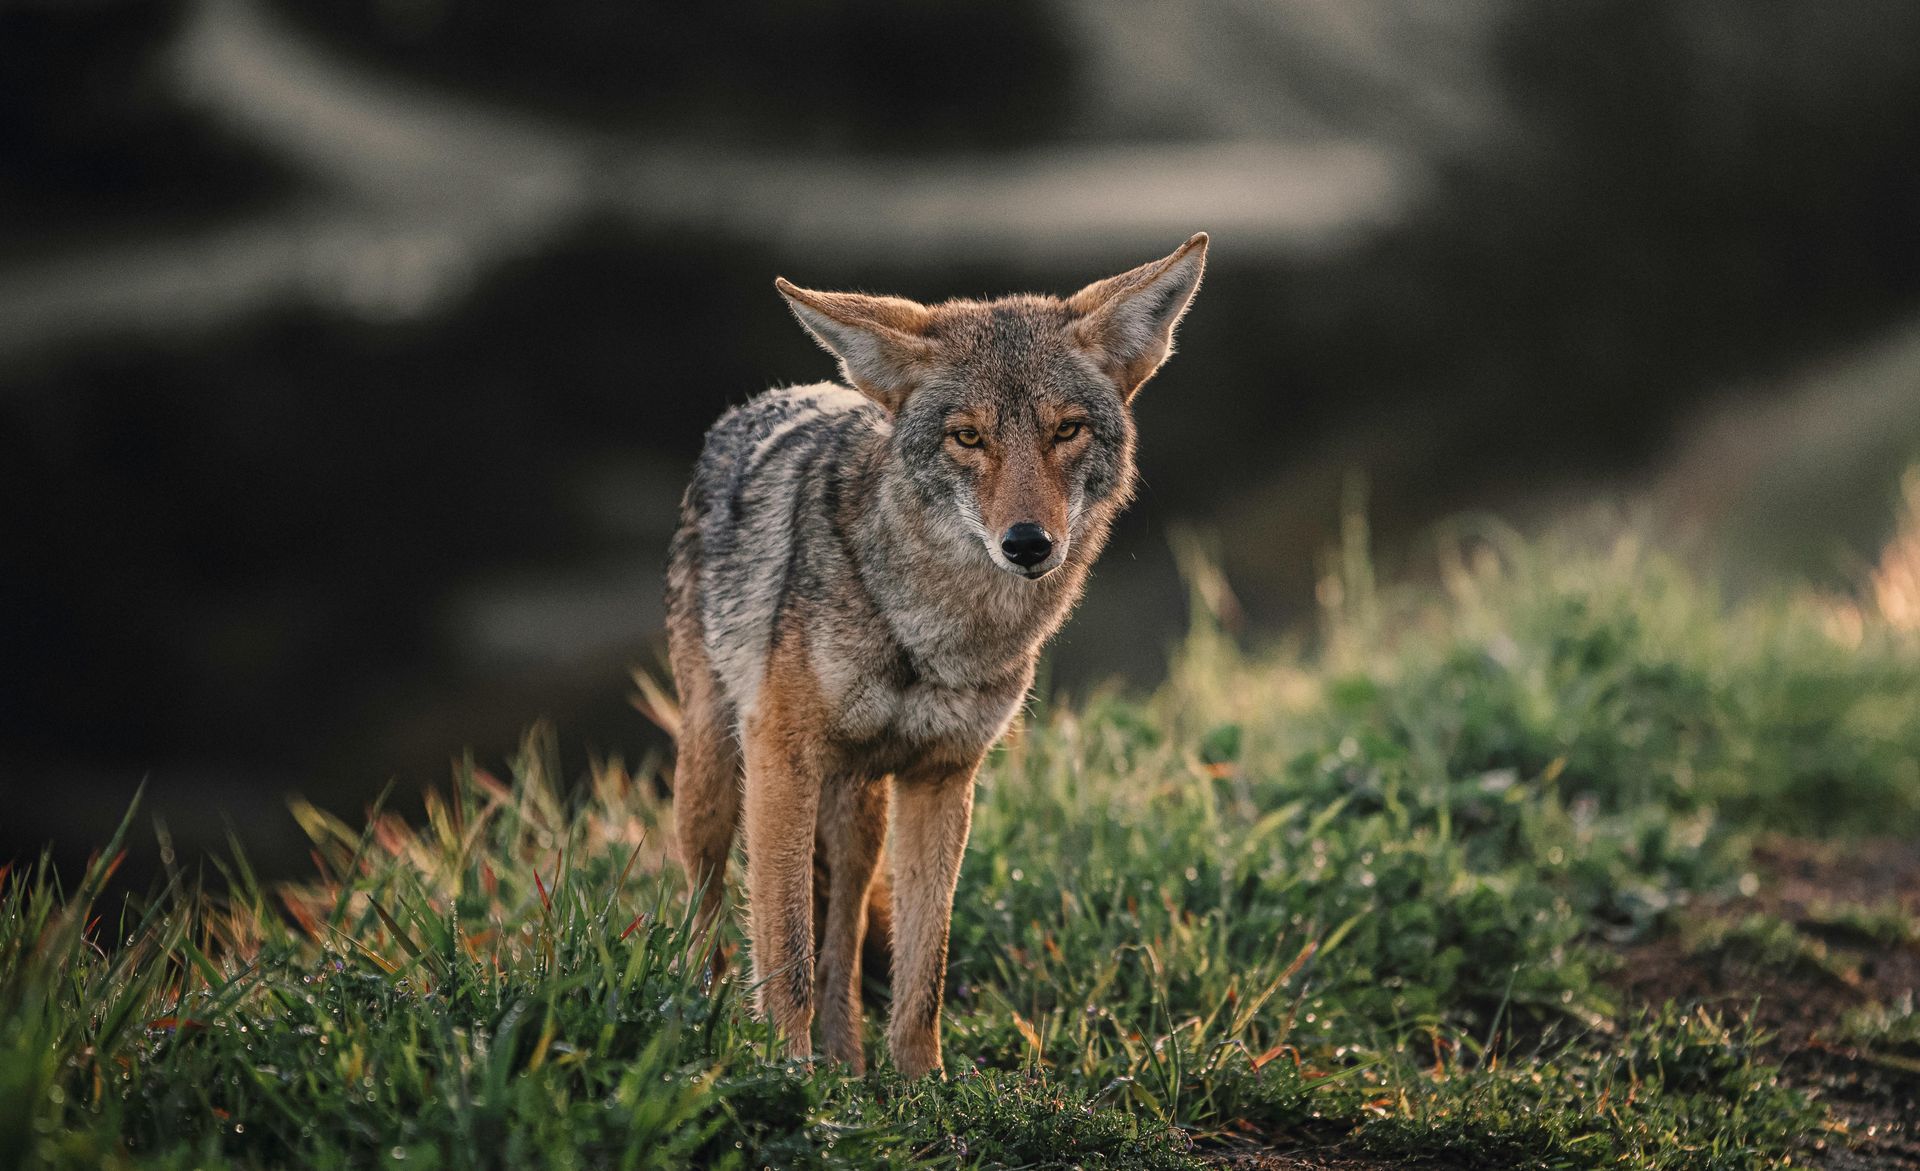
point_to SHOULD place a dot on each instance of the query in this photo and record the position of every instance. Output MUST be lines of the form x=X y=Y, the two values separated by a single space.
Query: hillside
x=1569 y=862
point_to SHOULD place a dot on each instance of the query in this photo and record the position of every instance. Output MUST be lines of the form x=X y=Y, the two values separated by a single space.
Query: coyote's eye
x=1067 y=430
x=966 y=437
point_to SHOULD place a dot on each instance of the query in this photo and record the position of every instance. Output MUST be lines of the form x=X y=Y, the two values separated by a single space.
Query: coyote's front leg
x=783 y=779
x=853 y=826
x=932 y=811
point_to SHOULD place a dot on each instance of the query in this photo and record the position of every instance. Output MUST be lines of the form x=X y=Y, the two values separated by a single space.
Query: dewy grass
x=1361 y=897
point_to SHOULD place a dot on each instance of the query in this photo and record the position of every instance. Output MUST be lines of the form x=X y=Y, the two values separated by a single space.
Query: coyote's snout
x=857 y=596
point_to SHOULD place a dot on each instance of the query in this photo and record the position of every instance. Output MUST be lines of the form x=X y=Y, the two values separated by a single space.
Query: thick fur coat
x=858 y=594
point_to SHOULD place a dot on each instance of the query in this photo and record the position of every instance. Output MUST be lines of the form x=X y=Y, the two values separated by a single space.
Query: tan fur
x=852 y=631
x=1022 y=477
x=787 y=768
x=892 y=328
x=807 y=800
x=933 y=810
x=1104 y=330
x=706 y=778
x=853 y=827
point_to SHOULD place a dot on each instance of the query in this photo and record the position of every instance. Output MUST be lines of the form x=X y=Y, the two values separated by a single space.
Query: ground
x=1568 y=862
x=1835 y=962
x=1828 y=935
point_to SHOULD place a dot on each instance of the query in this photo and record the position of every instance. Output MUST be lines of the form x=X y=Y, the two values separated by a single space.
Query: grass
x=1365 y=895
x=1892 y=1029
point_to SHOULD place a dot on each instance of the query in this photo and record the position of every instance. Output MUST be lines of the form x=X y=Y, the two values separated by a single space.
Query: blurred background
x=353 y=352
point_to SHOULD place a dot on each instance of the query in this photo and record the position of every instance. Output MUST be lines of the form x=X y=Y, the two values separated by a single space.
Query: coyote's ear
x=879 y=340
x=1127 y=321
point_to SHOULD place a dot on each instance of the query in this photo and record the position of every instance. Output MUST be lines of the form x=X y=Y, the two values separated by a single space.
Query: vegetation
x=1366 y=896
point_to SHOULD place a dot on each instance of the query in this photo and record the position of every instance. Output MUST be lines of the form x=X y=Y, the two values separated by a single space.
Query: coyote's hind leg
x=706 y=780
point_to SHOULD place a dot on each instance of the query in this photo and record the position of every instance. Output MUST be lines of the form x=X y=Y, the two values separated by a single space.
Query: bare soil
x=1873 y=1096
x=1298 y=1161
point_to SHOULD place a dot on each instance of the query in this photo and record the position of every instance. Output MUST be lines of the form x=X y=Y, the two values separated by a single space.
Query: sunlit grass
x=1366 y=894
x=1896 y=579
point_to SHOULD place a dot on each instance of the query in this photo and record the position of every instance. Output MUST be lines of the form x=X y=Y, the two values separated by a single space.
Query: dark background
x=353 y=352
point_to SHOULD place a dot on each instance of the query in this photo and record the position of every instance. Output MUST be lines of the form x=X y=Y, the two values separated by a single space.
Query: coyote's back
x=739 y=548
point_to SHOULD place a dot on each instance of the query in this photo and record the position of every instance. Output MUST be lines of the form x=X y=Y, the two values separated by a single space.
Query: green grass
x=1761 y=941
x=1891 y=1029
x=1363 y=894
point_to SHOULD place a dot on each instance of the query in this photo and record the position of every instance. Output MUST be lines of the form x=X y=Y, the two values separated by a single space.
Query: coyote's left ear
x=1127 y=321
x=879 y=340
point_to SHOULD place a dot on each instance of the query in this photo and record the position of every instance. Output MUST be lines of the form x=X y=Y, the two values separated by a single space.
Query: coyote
x=857 y=595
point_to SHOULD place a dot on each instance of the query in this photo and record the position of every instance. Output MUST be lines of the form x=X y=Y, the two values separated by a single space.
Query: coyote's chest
x=897 y=696
x=882 y=717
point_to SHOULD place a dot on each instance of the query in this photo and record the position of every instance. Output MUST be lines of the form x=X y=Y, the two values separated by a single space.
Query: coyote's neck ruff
x=858 y=594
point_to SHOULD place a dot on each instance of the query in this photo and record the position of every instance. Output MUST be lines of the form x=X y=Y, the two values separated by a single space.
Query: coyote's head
x=1012 y=416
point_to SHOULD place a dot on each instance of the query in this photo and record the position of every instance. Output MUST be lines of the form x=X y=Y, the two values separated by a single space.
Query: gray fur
x=810 y=502
x=841 y=608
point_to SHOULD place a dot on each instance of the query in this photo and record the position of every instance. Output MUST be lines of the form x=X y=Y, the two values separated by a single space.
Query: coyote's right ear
x=878 y=340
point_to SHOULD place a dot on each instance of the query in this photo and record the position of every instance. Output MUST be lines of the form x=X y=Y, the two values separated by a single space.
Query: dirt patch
x=1297 y=1161
x=1829 y=930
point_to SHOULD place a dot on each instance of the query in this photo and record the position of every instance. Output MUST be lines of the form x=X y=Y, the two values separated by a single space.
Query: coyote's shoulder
x=858 y=593
x=760 y=515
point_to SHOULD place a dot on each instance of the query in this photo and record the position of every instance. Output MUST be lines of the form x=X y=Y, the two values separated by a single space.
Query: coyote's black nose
x=1026 y=544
